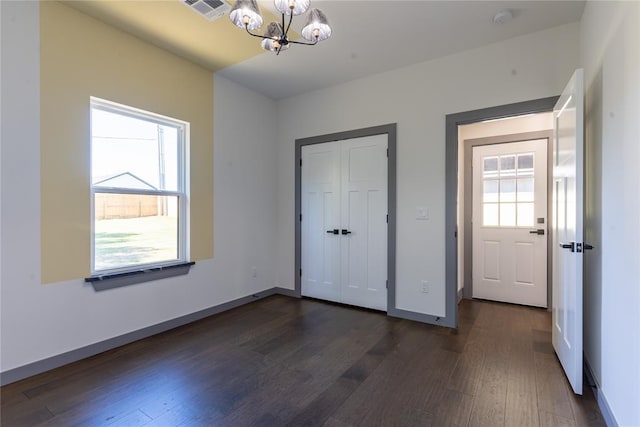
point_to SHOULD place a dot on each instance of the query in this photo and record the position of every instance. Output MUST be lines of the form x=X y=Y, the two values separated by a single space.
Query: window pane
x=490 y=166
x=133 y=229
x=508 y=165
x=507 y=214
x=490 y=193
x=507 y=190
x=525 y=161
x=525 y=214
x=525 y=190
x=128 y=152
x=490 y=214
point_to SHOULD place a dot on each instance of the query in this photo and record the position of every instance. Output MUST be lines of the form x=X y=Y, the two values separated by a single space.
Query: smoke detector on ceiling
x=503 y=17
x=210 y=9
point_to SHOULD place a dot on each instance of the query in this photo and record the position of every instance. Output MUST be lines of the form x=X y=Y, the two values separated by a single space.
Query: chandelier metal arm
x=288 y=26
x=308 y=44
x=246 y=27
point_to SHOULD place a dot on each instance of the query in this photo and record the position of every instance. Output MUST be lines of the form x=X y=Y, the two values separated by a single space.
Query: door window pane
x=525 y=215
x=525 y=190
x=490 y=164
x=525 y=161
x=507 y=190
x=507 y=214
x=490 y=193
x=490 y=214
x=508 y=165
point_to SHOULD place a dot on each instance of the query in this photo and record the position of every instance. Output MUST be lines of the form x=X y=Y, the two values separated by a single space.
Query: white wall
x=610 y=52
x=418 y=98
x=40 y=321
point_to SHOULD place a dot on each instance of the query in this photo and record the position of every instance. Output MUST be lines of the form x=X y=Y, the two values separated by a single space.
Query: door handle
x=571 y=246
x=345 y=231
x=334 y=231
x=588 y=247
x=539 y=232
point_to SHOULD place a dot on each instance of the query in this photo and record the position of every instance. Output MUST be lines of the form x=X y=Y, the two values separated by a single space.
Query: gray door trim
x=468 y=200
x=452 y=121
x=390 y=131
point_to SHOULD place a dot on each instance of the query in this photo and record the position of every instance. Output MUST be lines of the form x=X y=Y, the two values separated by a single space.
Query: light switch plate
x=422 y=214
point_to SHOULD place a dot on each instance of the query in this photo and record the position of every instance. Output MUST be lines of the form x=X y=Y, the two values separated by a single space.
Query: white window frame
x=182 y=192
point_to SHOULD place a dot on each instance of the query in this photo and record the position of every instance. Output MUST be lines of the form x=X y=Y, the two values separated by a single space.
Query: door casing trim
x=390 y=130
x=452 y=121
x=467 y=289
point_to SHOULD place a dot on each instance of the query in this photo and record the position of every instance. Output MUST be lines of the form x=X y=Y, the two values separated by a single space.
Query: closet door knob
x=345 y=231
x=334 y=231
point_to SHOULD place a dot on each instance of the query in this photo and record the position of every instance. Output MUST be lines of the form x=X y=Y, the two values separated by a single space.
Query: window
x=138 y=189
x=508 y=196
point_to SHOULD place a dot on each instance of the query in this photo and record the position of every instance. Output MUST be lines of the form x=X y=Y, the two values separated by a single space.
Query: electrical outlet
x=425 y=286
x=254 y=272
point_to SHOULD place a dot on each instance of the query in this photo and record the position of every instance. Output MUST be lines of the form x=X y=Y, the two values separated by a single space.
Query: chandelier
x=245 y=14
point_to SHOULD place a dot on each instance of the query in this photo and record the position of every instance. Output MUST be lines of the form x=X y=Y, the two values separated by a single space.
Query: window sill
x=116 y=280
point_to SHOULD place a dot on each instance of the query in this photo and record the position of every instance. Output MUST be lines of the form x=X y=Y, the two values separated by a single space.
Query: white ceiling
x=370 y=37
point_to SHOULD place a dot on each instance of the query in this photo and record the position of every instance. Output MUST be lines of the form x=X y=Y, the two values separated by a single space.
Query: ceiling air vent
x=210 y=9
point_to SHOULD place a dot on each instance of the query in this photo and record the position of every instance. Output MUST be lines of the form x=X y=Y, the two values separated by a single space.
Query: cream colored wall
x=529 y=123
x=82 y=57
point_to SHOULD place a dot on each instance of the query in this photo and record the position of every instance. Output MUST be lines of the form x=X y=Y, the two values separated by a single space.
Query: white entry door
x=344 y=221
x=509 y=219
x=568 y=164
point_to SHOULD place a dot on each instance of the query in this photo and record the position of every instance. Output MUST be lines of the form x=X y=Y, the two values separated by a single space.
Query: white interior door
x=320 y=199
x=568 y=164
x=364 y=217
x=509 y=222
x=344 y=221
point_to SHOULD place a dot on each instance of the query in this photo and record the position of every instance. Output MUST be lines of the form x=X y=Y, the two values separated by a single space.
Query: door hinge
x=387 y=152
x=300 y=217
x=387 y=218
x=387 y=284
x=300 y=272
x=300 y=162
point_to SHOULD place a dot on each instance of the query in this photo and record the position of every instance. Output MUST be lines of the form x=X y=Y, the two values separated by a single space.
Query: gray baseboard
x=605 y=409
x=287 y=292
x=25 y=371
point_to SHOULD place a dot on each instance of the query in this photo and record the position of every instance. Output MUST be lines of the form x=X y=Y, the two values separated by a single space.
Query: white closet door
x=321 y=213
x=364 y=217
x=344 y=221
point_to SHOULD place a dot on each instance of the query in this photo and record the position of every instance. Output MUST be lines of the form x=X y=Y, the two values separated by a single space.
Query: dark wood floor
x=282 y=361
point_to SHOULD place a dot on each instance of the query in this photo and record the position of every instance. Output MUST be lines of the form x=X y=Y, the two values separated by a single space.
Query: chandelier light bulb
x=295 y=7
x=246 y=14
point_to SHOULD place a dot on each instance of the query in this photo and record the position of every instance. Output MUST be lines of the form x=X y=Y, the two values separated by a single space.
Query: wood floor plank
x=547 y=419
x=521 y=404
x=283 y=361
x=551 y=390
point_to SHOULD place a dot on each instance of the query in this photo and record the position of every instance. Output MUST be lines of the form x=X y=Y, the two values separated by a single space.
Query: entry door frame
x=390 y=131
x=467 y=290
x=452 y=121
